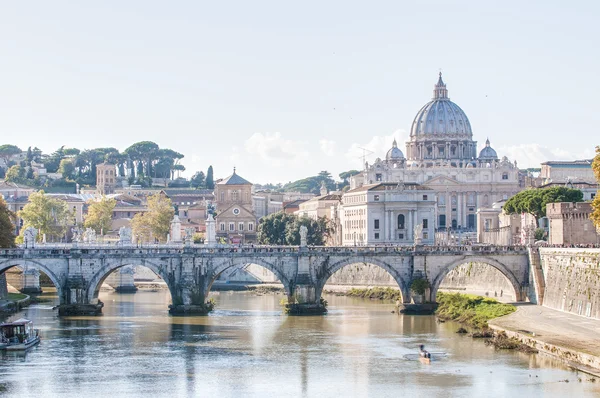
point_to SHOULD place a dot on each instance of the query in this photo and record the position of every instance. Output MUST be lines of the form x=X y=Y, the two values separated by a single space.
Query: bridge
x=78 y=271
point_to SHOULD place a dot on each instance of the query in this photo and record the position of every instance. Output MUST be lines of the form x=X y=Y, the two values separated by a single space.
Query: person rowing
x=423 y=352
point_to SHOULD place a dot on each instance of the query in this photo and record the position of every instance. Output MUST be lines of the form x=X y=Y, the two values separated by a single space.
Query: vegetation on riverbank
x=374 y=293
x=16 y=296
x=474 y=311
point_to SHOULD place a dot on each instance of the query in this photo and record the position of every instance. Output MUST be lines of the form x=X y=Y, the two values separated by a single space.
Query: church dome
x=488 y=153
x=440 y=118
x=394 y=153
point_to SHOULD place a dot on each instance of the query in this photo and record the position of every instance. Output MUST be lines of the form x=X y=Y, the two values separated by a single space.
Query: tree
x=271 y=229
x=156 y=222
x=99 y=216
x=311 y=184
x=197 y=180
x=284 y=229
x=210 y=182
x=595 y=216
x=67 y=169
x=48 y=215
x=534 y=201
x=7 y=151
x=7 y=237
x=15 y=174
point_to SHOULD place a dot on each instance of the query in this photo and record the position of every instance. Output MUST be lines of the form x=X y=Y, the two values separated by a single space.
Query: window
x=425 y=223
x=425 y=235
x=400 y=236
x=424 y=197
x=400 y=221
x=376 y=198
x=241 y=226
x=222 y=228
x=505 y=176
x=376 y=235
x=376 y=224
x=378 y=177
x=442 y=200
x=222 y=196
x=250 y=226
x=231 y=226
x=234 y=195
x=442 y=220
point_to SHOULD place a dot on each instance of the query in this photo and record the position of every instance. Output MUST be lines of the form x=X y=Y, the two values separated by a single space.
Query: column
x=459 y=209
x=409 y=225
x=389 y=226
x=465 y=207
x=448 y=210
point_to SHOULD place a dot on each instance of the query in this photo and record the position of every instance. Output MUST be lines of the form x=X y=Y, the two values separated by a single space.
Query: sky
x=283 y=90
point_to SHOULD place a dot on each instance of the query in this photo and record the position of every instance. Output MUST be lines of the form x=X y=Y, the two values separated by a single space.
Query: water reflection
x=249 y=348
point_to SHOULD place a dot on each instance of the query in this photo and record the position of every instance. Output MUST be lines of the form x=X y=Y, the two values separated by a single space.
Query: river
x=248 y=348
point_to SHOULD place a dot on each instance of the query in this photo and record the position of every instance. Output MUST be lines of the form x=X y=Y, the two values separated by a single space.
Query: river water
x=248 y=348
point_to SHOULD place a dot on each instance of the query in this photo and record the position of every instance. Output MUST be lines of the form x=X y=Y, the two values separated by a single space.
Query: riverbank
x=573 y=339
x=14 y=302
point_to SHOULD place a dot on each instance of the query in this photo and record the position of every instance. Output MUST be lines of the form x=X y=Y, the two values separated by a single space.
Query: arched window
x=400 y=221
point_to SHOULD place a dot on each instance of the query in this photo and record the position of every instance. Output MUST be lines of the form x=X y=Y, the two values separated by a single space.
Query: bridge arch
x=239 y=263
x=56 y=280
x=95 y=283
x=503 y=269
x=326 y=273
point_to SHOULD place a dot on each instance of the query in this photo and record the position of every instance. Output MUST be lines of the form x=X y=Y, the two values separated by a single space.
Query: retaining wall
x=572 y=280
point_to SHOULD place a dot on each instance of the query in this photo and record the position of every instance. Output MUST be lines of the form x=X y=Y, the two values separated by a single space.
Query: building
x=442 y=156
x=565 y=171
x=570 y=224
x=16 y=197
x=387 y=213
x=495 y=227
x=293 y=206
x=319 y=206
x=267 y=202
x=236 y=220
x=106 y=179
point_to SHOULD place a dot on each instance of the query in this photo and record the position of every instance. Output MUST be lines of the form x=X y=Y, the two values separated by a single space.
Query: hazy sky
x=283 y=90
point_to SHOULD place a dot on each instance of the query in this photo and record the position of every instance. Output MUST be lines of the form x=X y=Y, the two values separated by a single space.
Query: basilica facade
x=441 y=157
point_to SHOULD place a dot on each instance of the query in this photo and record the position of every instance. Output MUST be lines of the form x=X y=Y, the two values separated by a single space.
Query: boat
x=18 y=335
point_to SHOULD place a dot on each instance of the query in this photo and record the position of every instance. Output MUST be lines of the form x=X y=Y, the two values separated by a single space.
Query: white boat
x=18 y=335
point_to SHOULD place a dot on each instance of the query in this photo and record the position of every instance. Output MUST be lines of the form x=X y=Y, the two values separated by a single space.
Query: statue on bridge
x=76 y=232
x=189 y=236
x=303 y=235
x=89 y=236
x=125 y=236
x=29 y=237
x=418 y=231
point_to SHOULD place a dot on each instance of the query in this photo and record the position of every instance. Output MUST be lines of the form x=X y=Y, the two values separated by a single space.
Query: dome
x=441 y=117
x=394 y=153
x=488 y=153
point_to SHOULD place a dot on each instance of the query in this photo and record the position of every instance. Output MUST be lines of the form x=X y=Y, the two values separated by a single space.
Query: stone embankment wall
x=480 y=279
x=572 y=280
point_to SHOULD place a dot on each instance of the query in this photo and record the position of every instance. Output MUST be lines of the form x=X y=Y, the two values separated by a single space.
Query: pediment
x=441 y=181
x=236 y=211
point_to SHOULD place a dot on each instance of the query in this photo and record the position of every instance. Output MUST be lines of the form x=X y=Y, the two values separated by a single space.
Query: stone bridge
x=189 y=271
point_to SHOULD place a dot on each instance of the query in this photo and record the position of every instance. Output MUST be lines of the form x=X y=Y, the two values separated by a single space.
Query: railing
x=65 y=249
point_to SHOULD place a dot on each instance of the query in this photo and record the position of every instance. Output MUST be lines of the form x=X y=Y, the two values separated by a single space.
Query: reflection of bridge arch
x=326 y=273
x=507 y=273
x=239 y=263
x=6 y=264
x=100 y=276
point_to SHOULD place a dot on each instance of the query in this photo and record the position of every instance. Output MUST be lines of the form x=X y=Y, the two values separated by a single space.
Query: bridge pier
x=74 y=301
x=122 y=280
x=190 y=292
